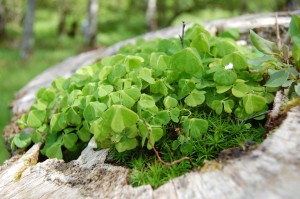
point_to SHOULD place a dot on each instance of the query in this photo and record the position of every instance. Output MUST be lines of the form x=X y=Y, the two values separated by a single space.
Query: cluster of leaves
x=282 y=68
x=150 y=90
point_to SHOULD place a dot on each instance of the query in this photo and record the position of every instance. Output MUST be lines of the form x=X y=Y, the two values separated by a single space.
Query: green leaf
x=73 y=117
x=294 y=28
x=174 y=114
x=36 y=118
x=225 y=77
x=253 y=103
x=143 y=130
x=201 y=43
x=185 y=87
x=223 y=89
x=195 y=98
x=195 y=127
x=187 y=60
x=175 y=144
x=106 y=70
x=159 y=61
x=54 y=151
x=296 y=51
x=126 y=144
x=162 y=118
x=127 y=97
x=217 y=105
x=278 y=78
x=101 y=130
x=132 y=62
x=232 y=33
x=159 y=87
x=58 y=122
x=223 y=47
x=69 y=140
x=84 y=134
x=36 y=137
x=146 y=75
x=263 y=45
x=22 y=140
x=228 y=106
x=186 y=148
x=155 y=135
x=94 y=110
x=118 y=117
x=240 y=90
x=297 y=89
x=239 y=62
x=146 y=101
x=170 y=102
x=104 y=90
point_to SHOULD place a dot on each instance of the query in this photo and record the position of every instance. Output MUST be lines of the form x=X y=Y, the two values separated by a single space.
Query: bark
x=28 y=34
x=91 y=27
x=151 y=15
x=2 y=20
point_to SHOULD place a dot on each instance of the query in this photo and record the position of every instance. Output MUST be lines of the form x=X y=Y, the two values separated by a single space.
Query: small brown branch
x=169 y=164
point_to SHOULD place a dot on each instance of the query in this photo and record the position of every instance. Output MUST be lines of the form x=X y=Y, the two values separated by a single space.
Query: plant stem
x=182 y=35
x=169 y=164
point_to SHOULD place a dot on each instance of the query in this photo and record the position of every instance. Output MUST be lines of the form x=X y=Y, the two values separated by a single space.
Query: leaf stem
x=252 y=117
x=182 y=35
x=169 y=164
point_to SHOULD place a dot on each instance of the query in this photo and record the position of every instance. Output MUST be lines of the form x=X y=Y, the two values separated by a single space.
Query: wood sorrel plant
x=148 y=91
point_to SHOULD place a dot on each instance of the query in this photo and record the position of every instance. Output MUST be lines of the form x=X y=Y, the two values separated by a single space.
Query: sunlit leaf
x=170 y=102
x=35 y=118
x=119 y=117
x=195 y=98
x=253 y=103
x=22 y=140
x=195 y=127
x=225 y=77
x=126 y=144
x=187 y=60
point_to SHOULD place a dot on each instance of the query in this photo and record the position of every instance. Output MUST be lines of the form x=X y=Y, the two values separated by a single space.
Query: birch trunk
x=91 y=28
x=28 y=34
x=150 y=15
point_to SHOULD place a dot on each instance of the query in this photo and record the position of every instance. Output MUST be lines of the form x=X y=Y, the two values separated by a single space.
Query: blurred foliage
x=118 y=20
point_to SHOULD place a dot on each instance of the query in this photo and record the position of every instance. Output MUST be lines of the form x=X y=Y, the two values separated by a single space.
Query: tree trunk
x=2 y=20
x=292 y=4
x=151 y=15
x=28 y=34
x=64 y=5
x=90 y=29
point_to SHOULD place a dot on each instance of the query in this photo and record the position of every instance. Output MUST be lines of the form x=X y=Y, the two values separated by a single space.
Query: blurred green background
x=117 y=20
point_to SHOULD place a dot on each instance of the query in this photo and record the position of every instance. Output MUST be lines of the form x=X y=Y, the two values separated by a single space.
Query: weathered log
x=270 y=171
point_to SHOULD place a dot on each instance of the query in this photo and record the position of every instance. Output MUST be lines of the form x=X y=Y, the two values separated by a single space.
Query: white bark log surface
x=271 y=171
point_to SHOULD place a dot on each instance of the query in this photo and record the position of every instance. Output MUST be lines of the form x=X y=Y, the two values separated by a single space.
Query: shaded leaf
x=263 y=45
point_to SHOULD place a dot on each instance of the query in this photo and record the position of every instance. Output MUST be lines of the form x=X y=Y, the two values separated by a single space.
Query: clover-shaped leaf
x=118 y=117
